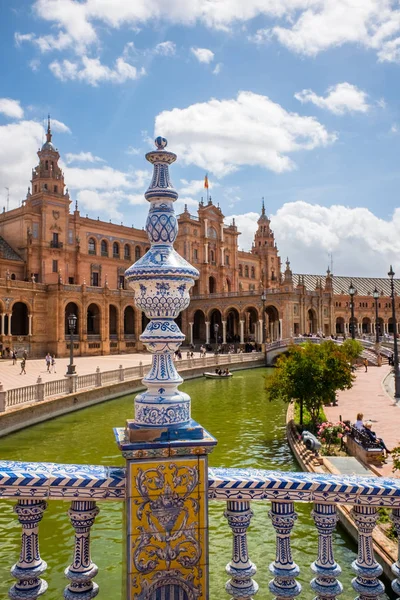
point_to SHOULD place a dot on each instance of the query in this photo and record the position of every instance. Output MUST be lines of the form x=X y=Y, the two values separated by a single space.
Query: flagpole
x=207 y=188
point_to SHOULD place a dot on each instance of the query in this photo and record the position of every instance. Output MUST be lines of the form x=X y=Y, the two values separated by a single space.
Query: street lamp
x=375 y=295
x=263 y=300
x=352 y=292
x=216 y=327
x=72 y=319
x=396 y=352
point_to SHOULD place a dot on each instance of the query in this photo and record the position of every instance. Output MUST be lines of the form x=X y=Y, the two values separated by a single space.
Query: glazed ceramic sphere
x=160 y=142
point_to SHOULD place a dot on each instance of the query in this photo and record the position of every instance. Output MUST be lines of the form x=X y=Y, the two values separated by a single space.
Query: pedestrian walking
x=48 y=362
x=53 y=363
x=23 y=362
x=14 y=357
x=25 y=355
x=366 y=364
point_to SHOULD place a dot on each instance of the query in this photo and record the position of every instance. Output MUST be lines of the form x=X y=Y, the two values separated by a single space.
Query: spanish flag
x=206 y=182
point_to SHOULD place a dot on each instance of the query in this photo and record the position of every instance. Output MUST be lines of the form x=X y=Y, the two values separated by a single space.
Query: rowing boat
x=216 y=376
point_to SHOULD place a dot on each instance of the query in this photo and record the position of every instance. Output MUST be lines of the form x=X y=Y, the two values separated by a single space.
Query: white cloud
x=23 y=37
x=96 y=178
x=394 y=128
x=360 y=242
x=195 y=187
x=11 y=108
x=82 y=157
x=167 y=48
x=203 y=55
x=93 y=72
x=19 y=143
x=59 y=126
x=217 y=69
x=34 y=64
x=132 y=150
x=340 y=98
x=221 y=135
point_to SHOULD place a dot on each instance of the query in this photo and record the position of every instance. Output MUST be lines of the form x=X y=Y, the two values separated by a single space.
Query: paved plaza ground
x=369 y=396
x=10 y=374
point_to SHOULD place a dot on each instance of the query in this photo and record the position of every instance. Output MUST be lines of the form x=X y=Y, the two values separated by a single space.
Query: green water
x=250 y=433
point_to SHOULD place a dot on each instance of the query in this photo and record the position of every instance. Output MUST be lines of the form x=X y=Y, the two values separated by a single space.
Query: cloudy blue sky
x=296 y=101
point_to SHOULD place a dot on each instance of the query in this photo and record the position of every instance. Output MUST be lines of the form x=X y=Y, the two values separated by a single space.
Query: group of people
x=222 y=372
x=50 y=363
x=366 y=428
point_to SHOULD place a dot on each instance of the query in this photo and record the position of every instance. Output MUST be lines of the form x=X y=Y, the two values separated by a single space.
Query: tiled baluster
x=396 y=566
x=325 y=584
x=241 y=569
x=81 y=572
x=284 y=584
x=30 y=566
x=366 y=584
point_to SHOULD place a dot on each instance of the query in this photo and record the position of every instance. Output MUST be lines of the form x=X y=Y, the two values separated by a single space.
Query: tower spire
x=48 y=134
x=263 y=207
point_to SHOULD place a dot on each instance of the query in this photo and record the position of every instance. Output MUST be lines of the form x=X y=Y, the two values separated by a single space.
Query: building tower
x=47 y=177
x=264 y=246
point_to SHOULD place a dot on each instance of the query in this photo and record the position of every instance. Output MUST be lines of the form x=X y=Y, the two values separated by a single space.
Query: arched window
x=104 y=248
x=115 y=250
x=211 y=233
x=240 y=270
x=137 y=252
x=253 y=273
x=46 y=166
x=127 y=252
x=246 y=271
x=212 y=257
x=13 y=276
x=92 y=246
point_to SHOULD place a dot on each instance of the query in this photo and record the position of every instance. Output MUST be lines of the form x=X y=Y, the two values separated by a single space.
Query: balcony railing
x=33 y=485
x=54 y=244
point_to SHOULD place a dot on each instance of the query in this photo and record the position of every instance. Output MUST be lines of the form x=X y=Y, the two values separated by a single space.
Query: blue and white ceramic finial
x=161 y=280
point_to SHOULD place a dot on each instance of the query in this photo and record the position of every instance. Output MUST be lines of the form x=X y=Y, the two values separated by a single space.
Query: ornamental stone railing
x=33 y=485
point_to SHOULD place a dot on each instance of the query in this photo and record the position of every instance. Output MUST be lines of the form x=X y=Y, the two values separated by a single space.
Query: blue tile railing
x=33 y=484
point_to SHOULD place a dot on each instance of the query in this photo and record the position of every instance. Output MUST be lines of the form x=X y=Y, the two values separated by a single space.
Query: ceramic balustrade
x=33 y=485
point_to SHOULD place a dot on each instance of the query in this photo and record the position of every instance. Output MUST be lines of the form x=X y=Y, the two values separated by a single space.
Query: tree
x=311 y=375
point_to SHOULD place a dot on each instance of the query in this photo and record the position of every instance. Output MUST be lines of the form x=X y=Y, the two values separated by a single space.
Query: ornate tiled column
x=166 y=451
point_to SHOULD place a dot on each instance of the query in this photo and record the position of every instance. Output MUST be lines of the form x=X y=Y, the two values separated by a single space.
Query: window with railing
x=92 y=246
x=127 y=252
x=115 y=250
x=104 y=248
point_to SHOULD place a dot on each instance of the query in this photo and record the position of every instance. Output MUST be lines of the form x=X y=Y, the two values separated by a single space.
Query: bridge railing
x=40 y=391
x=33 y=485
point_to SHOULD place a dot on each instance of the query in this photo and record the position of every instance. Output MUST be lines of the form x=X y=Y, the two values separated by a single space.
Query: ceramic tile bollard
x=166 y=451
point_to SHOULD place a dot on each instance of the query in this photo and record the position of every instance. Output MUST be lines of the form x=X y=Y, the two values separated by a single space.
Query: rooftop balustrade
x=33 y=485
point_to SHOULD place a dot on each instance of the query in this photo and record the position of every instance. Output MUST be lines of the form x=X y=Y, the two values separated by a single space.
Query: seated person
x=359 y=423
x=372 y=436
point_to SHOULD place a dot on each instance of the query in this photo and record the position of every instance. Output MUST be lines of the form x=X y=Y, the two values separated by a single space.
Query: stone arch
x=272 y=324
x=251 y=319
x=145 y=320
x=19 y=319
x=212 y=285
x=228 y=285
x=340 y=325
x=380 y=326
x=129 y=320
x=390 y=326
x=112 y=320
x=312 y=321
x=93 y=316
x=232 y=319
x=199 y=326
x=71 y=308
x=366 y=325
x=215 y=318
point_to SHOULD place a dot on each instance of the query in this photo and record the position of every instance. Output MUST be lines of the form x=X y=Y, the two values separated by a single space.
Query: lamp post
x=216 y=327
x=352 y=292
x=396 y=352
x=72 y=319
x=263 y=341
x=375 y=295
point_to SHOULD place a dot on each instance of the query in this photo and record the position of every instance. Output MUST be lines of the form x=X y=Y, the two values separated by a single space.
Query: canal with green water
x=250 y=432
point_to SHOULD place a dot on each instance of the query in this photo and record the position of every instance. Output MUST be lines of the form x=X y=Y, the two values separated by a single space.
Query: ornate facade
x=54 y=261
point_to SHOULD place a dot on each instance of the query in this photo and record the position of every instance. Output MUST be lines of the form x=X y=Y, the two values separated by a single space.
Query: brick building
x=54 y=262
